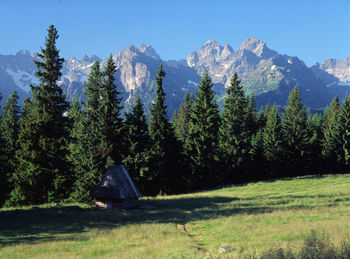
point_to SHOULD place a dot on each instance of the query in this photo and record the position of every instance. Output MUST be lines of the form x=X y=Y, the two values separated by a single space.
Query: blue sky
x=313 y=30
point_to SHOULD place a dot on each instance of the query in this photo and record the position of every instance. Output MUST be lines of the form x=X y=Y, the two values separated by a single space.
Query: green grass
x=251 y=218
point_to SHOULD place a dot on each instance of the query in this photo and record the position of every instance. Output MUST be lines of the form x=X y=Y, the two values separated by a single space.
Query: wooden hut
x=116 y=190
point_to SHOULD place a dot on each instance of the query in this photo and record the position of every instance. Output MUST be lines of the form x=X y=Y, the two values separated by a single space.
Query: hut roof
x=116 y=184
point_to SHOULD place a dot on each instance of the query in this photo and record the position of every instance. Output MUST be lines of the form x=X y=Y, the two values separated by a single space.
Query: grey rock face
x=264 y=72
x=340 y=69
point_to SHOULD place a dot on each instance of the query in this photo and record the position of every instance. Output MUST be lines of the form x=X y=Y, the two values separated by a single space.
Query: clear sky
x=313 y=30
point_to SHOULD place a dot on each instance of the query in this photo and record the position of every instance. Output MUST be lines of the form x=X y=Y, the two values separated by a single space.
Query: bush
x=314 y=247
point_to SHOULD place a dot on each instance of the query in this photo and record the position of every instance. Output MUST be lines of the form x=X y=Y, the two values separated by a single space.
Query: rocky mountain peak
x=26 y=53
x=90 y=59
x=226 y=52
x=258 y=47
x=212 y=44
x=252 y=44
x=149 y=51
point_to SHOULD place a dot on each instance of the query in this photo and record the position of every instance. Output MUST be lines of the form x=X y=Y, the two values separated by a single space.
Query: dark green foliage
x=3 y=163
x=273 y=142
x=9 y=126
x=182 y=118
x=203 y=146
x=98 y=139
x=295 y=133
x=41 y=174
x=314 y=163
x=86 y=156
x=109 y=111
x=139 y=143
x=257 y=159
x=329 y=143
x=165 y=173
x=343 y=134
x=236 y=130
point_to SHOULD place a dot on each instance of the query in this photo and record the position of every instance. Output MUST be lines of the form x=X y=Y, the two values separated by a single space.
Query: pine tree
x=42 y=169
x=235 y=131
x=273 y=142
x=9 y=129
x=182 y=118
x=110 y=115
x=295 y=133
x=203 y=136
x=329 y=143
x=165 y=167
x=139 y=143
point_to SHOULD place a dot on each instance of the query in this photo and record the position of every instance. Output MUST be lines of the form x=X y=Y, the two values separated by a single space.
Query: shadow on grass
x=56 y=223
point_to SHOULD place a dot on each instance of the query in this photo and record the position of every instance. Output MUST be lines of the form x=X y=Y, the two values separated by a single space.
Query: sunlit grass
x=251 y=218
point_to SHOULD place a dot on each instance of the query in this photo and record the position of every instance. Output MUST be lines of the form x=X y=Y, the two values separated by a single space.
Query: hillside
x=251 y=218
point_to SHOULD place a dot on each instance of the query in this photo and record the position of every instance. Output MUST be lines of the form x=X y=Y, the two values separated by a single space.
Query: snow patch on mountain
x=191 y=82
x=22 y=79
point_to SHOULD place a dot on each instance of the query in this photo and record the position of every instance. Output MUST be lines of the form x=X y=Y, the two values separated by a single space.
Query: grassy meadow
x=250 y=218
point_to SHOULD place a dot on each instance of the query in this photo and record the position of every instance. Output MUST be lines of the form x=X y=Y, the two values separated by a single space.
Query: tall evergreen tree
x=343 y=135
x=165 y=167
x=139 y=143
x=110 y=115
x=235 y=135
x=203 y=136
x=273 y=143
x=314 y=155
x=86 y=150
x=295 y=133
x=329 y=143
x=42 y=169
x=85 y=154
x=182 y=118
x=9 y=124
x=3 y=163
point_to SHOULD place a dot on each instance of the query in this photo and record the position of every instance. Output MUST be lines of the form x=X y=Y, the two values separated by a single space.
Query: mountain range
x=265 y=73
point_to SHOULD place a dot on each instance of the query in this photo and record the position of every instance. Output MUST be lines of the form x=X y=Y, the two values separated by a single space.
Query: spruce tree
x=314 y=155
x=182 y=118
x=329 y=143
x=3 y=163
x=109 y=110
x=343 y=135
x=86 y=150
x=295 y=133
x=273 y=143
x=203 y=146
x=3 y=172
x=42 y=172
x=165 y=164
x=9 y=125
x=139 y=143
x=257 y=163
x=235 y=130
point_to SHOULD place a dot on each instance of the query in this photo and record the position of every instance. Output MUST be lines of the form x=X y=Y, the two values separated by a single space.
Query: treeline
x=52 y=150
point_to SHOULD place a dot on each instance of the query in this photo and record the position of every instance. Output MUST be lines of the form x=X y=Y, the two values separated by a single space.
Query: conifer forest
x=52 y=150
